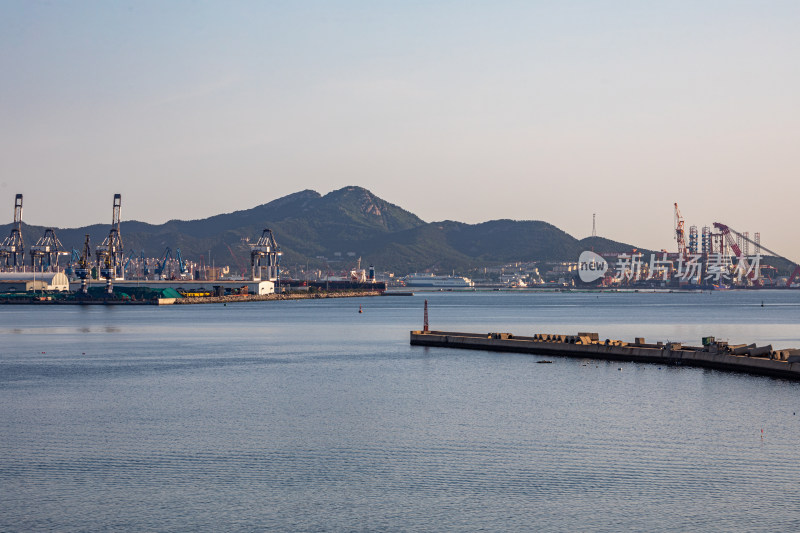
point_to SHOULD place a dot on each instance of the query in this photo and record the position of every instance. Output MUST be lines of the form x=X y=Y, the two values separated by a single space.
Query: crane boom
x=181 y=262
x=728 y=230
x=242 y=268
x=725 y=228
x=160 y=266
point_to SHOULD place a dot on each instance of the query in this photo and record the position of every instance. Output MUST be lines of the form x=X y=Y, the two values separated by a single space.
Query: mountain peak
x=361 y=204
x=369 y=203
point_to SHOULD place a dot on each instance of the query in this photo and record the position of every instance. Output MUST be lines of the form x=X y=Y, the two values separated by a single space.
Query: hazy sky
x=462 y=110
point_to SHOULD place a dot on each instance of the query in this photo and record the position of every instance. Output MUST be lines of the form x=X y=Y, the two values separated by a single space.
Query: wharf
x=82 y=301
x=270 y=297
x=719 y=355
x=73 y=299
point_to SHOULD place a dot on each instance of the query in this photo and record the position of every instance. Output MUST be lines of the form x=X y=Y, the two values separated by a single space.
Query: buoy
x=359 y=309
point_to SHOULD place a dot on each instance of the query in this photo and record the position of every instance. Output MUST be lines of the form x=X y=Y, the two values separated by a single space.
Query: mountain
x=340 y=226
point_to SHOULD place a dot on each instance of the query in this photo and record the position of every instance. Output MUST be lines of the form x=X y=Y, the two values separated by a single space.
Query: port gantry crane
x=45 y=253
x=131 y=261
x=75 y=256
x=265 y=254
x=145 y=266
x=169 y=260
x=159 y=270
x=181 y=263
x=726 y=232
x=109 y=252
x=84 y=271
x=12 y=249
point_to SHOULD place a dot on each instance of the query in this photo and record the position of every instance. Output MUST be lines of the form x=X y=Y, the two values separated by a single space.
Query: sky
x=462 y=110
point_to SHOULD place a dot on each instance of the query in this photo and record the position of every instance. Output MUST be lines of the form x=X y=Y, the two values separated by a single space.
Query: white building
x=253 y=287
x=24 y=281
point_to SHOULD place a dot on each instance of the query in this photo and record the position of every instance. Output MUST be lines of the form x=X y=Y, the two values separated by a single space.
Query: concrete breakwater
x=711 y=354
x=73 y=299
x=268 y=297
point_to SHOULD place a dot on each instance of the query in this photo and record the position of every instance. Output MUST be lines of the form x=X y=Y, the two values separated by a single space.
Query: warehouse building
x=33 y=281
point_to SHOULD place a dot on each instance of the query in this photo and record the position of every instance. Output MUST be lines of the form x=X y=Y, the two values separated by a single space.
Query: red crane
x=726 y=232
x=736 y=250
x=239 y=262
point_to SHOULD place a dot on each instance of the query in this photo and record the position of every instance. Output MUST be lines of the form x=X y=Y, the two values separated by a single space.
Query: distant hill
x=340 y=226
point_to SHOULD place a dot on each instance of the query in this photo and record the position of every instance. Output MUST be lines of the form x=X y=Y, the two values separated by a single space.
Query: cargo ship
x=444 y=282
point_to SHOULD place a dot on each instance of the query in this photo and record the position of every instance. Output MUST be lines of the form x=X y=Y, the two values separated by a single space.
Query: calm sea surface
x=308 y=416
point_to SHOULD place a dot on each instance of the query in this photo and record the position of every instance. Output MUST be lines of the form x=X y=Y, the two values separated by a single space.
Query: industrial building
x=190 y=286
x=33 y=281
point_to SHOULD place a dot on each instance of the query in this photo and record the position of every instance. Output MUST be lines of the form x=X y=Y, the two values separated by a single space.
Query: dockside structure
x=712 y=354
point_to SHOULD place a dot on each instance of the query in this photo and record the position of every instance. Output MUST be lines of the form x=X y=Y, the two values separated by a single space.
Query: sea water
x=310 y=416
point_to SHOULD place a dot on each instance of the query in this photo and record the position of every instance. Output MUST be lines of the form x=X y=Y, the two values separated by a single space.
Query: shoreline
x=191 y=300
x=270 y=297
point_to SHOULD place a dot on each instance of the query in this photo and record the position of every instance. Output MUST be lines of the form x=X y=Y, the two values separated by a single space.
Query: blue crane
x=160 y=266
x=181 y=262
x=73 y=260
x=128 y=262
